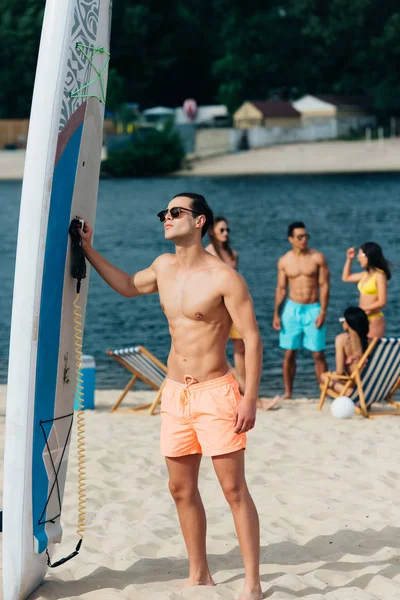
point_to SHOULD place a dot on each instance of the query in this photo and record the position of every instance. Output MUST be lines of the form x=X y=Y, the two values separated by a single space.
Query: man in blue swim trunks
x=301 y=323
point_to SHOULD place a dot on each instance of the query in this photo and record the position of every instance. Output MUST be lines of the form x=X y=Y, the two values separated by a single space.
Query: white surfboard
x=60 y=181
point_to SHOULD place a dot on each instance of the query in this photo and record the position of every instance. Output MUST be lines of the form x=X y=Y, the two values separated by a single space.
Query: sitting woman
x=349 y=346
x=372 y=283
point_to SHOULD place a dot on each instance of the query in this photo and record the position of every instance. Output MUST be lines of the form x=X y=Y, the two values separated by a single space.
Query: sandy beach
x=321 y=157
x=12 y=164
x=326 y=490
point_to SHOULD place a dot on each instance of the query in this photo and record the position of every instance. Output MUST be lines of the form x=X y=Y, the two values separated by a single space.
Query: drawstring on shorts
x=185 y=394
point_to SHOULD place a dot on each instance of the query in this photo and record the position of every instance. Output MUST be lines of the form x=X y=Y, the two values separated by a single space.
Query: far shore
x=302 y=158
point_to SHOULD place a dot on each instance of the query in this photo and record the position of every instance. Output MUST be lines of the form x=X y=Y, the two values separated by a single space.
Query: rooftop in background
x=332 y=105
x=275 y=108
x=361 y=101
x=157 y=111
x=206 y=115
x=157 y=115
x=267 y=113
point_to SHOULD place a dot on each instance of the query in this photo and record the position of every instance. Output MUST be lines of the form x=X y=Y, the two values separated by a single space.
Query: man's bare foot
x=192 y=582
x=271 y=404
x=252 y=594
x=285 y=396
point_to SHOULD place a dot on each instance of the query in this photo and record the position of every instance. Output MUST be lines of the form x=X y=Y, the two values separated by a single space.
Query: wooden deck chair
x=145 y=366
x=375 y=379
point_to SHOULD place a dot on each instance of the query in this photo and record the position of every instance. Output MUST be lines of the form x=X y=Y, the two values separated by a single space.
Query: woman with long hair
x=349 y=345
x=219 y=242
x=220 y=246
x=372 y=283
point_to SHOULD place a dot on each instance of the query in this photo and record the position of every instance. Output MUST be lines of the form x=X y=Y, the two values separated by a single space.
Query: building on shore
x=267 y=113
x=343 y=114
x=13 y=133
x=214 y=115
x=158 y=114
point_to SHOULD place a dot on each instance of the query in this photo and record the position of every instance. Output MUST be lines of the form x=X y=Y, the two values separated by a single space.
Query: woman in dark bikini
x=349 y=345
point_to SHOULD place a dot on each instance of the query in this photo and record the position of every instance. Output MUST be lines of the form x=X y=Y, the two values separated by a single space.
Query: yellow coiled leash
x=80 y=419
x=78 y=271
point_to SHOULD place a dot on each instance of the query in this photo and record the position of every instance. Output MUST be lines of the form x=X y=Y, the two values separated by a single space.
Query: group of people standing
x=301 y=303
x=202 y=409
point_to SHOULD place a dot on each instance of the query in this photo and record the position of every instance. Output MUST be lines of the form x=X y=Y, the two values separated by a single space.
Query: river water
x=339 y=211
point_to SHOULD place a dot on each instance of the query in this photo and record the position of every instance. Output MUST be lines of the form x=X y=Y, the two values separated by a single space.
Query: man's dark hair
x=200 y=206
x=293 y=226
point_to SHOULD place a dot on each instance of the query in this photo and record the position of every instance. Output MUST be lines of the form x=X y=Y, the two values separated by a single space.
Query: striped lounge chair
x=375 y=379
x=145 y=366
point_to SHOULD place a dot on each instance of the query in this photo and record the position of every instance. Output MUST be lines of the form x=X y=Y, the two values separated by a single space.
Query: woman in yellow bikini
x=372 y=283
x=220 y=246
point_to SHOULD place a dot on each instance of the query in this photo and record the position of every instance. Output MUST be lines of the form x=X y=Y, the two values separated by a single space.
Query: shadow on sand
x=329 y=548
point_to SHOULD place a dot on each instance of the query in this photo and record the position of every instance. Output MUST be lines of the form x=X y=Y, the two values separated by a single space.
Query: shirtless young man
x=302 y=323
x=201 y=409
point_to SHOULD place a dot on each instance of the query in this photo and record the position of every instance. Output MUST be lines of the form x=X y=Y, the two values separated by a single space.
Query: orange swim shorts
x=199 y=418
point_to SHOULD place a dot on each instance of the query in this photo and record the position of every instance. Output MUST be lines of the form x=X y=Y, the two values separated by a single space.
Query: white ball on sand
x=342 y=408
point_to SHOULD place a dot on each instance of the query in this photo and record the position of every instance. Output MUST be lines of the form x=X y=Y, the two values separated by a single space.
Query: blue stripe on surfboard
x=50 y=322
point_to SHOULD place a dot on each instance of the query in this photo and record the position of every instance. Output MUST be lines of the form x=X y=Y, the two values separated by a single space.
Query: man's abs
x=303 y=289
x=198 y=320
x=198 y=350
x=302 y=275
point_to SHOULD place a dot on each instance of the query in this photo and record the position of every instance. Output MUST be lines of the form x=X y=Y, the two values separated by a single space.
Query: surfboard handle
x=63 y=560
x=78 y=262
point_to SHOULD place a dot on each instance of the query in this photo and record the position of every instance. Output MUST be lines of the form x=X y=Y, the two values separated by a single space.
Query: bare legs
x=229 y=468
x=289 y=369
x=343 y=349
x=319 y=364
x=377 y=327
x=230 y=472
x=289 y=372
x=183 y=480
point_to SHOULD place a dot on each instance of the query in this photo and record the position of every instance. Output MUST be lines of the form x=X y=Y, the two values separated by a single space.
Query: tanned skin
x=201 y=296
x=303 y=274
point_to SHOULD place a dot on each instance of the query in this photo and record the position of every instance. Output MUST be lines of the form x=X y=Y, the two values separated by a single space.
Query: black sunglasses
x=223 y=229
x=175 y=211
x=303 y=236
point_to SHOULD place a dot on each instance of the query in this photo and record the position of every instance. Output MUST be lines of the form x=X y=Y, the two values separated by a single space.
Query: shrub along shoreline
x=157 y=153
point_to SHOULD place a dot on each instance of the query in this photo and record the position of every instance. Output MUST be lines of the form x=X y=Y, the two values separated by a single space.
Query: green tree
x=165 y=50
x=220 y=50
x=294 y=47
x=157 y=153
x=20 y=26
x=261 y=50
x=115 y=90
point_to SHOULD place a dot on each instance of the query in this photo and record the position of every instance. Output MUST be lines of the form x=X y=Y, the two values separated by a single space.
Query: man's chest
x=195 y=297
x=301 y=267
